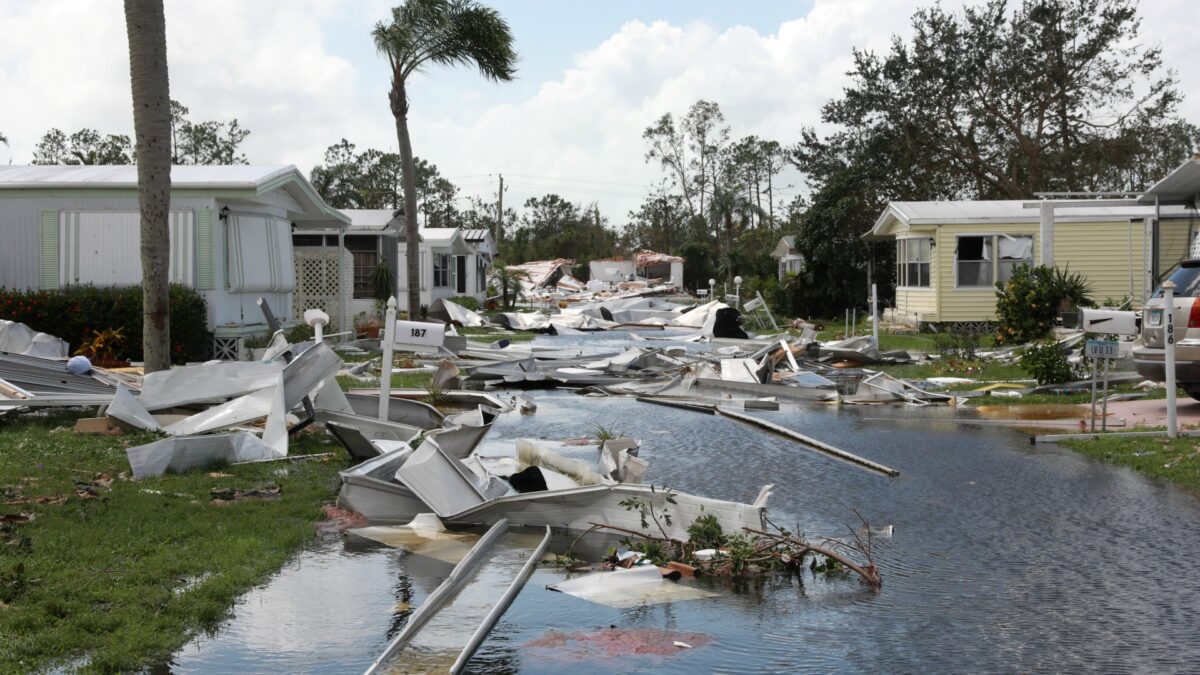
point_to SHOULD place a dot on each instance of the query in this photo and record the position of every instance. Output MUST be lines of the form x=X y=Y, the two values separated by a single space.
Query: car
x=1148 y=353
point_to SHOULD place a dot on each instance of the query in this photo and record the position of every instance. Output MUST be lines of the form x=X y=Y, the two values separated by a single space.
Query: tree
x=86 y=146
x=553 y=227
x=690 y=152
x=145 y=25
x=3 y=139
x=444 y=33
x=508 y=280
x=1055 y=95
x=204 y=142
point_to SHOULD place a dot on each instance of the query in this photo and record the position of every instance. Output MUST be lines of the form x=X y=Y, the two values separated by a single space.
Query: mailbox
x=1114 y=321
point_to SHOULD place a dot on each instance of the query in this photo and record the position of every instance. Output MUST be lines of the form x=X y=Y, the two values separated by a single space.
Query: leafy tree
x=690 y=151
x=204 y=142
x=145 y=25
x=553 y=227
x=444 y=33
x=1054 y=95
x=191 y=143
x=372 y=180
x=3 y=139
x=86 y=146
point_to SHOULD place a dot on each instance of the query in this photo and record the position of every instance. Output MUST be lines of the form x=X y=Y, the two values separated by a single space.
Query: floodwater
x=1004 y=557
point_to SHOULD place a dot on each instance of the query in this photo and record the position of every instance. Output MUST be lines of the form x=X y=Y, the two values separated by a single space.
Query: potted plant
x=365 y=324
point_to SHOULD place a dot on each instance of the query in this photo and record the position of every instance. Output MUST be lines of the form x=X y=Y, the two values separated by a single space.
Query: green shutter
x=205 y=274
x=49 y=239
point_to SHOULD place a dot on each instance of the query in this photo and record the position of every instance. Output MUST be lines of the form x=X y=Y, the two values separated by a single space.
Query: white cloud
x=286 y=72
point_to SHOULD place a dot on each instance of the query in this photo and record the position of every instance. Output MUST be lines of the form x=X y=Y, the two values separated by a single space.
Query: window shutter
x=49 y=241
x=205 y=272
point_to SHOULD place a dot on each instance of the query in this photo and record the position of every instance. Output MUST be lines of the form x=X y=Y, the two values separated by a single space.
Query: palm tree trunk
x=412 y=234
x=145 y=25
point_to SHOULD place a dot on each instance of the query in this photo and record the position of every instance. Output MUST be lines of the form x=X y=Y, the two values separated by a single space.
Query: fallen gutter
x=501 y=605
x=806 y=440
x=441 y=595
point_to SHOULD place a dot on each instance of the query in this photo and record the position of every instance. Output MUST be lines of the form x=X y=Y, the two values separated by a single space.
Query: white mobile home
x=230 y=226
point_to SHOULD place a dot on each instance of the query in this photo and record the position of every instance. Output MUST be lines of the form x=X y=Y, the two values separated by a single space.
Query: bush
x=1047 y=363
x=76 y=313
x=1026 y=305
x=962 y=344
x=466 y=301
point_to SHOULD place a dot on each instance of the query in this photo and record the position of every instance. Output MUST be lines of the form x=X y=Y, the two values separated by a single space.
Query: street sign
x=1103 y=349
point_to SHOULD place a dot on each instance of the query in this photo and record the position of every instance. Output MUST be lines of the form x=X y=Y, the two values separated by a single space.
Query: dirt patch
x=617 y=642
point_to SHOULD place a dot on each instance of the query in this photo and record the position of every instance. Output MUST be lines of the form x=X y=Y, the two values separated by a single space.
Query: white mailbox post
x=1169 y=354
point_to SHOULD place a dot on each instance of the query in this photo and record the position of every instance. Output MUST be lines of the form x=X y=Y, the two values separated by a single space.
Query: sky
x=303 y=74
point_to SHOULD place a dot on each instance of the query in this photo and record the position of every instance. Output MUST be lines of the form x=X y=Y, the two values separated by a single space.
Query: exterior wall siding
x=1109 y=254
x=915 y=302
x=972 y=304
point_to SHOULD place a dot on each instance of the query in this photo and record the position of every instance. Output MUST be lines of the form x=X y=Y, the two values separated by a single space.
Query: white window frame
x=899 y=263
x=441 y=265
x=995 y=237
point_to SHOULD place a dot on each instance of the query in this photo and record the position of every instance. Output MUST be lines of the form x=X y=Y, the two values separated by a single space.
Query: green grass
x=1175 y=460
x=418 y=380
x=119 y=582
x=989 y=371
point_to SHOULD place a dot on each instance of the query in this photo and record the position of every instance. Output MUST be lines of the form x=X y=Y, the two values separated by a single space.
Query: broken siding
x=970 y=304
x=1108 y=254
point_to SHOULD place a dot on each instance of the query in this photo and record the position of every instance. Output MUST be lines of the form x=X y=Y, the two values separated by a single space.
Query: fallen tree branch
x=869 y=573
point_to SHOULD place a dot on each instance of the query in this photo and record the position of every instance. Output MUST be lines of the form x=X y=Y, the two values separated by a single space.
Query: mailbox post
x=385 y=368
x=1169 y=354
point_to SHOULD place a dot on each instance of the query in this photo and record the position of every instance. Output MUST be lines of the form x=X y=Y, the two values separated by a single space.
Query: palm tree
x=3 y=139
x=444 y=33
x=509 y=280
x=145 y=26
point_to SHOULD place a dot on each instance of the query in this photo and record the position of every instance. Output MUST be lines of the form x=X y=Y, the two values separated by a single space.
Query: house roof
x=1181 y=185
x=256 y=178
x=1002 y=211
x=371 y=220
x=475 y=235
x=183 y=177
x=440 y=236
x=785 y=247
x=646 y=257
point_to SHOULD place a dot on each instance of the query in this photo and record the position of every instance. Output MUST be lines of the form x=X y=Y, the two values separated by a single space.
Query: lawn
x=1176 y=460
x=100 y=573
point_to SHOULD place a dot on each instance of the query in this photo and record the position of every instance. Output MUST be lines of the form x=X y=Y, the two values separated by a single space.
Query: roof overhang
x=1181 y=186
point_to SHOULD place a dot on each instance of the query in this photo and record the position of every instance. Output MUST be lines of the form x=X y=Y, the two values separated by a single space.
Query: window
x=480 y=274
x=441 y=270
x=983 y=261
x=912 y=262
x=365 y=263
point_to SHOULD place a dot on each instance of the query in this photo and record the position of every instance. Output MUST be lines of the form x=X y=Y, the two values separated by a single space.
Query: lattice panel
x=317 y=284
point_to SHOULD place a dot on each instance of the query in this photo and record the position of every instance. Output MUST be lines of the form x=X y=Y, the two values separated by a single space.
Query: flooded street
x=1004 y=557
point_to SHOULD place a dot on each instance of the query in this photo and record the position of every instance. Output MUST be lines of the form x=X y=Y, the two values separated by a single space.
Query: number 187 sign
x=420 y=333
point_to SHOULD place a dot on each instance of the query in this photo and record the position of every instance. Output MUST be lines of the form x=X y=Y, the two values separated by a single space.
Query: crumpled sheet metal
x=449 y=311
x=126 y=408
x=643 y=585
x=441 y=481
x=17 y=338
x=189 y=452
x=213 y=381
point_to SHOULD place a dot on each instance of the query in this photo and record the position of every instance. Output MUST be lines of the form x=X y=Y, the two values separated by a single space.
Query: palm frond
x=446 y=32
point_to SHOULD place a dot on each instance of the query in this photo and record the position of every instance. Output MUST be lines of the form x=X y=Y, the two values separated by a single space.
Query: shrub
x=962 y=344
x=1026 y=305
x=76 y=313
x=1047 y=363
x=466 y=301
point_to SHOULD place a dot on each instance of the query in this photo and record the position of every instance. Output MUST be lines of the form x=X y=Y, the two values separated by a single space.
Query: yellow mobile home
x=950 y=255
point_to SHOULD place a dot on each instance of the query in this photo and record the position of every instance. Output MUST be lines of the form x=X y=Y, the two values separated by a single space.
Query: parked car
x=1148 y=354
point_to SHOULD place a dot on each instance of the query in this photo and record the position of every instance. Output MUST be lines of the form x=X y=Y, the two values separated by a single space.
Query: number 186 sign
x=420 y=333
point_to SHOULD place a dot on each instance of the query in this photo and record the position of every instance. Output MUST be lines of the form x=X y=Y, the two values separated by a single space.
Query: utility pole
x=499 y=213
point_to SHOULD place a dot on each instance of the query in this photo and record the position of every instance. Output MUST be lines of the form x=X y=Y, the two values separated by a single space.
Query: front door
x=460 y=266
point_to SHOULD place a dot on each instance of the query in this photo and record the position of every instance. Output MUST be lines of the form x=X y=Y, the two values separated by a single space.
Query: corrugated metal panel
x=205 y=253
x=104 y=247
x=48 y=231
x=259 y=251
